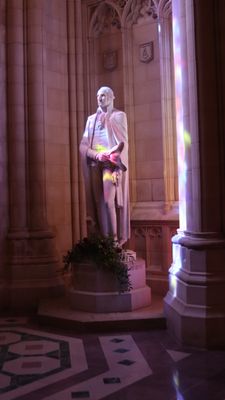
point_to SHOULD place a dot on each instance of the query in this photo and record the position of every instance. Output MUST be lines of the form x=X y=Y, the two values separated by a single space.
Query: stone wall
x=57 y=55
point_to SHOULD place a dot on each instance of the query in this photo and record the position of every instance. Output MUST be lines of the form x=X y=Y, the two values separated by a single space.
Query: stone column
x=16 y=117
x=33 y=262
x=194 y=305
x=3 y=157
x=76 y=117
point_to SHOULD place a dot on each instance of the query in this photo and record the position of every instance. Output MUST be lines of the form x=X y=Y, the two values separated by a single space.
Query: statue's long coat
x=116 y=127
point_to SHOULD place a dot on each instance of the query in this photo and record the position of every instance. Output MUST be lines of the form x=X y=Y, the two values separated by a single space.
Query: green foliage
x=104 y=253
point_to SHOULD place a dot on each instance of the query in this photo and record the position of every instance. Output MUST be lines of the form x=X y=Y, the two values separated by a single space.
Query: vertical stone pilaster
x=33 y=262
x=168 y=112
x=76 y=117
x=3 y=152
x=16 y=117
x=194 y=305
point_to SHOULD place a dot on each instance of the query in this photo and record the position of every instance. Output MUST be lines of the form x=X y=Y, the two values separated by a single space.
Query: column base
x=34 y=269
x=26 y=295
x=194 y=306
x=194 y=326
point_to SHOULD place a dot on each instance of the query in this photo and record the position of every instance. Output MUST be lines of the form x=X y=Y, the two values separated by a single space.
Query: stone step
x=58 y=313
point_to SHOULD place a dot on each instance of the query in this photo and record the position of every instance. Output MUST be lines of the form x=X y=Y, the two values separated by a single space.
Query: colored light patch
x=176 y=386
x=183 y=143
x=107 y=177
x=100 y=147
x=176 y=379
x=183 y=136
x=173 y=284
x=187 y=138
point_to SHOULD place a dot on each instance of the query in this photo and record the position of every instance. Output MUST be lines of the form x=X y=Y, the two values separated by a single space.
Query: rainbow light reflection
x=182 y=166
x=183 y=143
x=176 y=386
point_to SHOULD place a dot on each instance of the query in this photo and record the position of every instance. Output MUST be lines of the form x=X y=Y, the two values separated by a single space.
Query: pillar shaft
x=36 y=114
x=195 y=302
x=16 y=125
x=76 y=117
x=33 y=266
x=3 y=159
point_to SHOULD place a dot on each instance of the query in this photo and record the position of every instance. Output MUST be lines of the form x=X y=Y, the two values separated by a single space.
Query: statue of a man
x=104 y=151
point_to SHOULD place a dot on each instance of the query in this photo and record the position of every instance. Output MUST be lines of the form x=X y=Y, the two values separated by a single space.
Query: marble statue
x=104 y=152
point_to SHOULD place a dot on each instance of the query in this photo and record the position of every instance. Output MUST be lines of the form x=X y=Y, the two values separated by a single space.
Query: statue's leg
x=98 y=199
x=109 y=190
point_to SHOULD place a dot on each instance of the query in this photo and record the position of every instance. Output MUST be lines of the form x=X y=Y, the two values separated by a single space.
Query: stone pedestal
x=97 y=291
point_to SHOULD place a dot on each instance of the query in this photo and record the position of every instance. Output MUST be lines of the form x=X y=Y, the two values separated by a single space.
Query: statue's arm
x=119 y=125
x=85 y=148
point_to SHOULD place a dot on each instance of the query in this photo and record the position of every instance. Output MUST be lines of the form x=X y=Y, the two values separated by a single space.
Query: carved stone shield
x=110 y=60
x=146 y=52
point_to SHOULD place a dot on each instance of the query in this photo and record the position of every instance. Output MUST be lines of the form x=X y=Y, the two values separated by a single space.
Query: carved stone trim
x=164 y=8
x=120 y=3
x=146 y=230
x=104 y=17
x=112 y=12
x=136 y=9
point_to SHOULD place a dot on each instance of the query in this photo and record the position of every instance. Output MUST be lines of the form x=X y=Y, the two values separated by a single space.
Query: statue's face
x=104 y=99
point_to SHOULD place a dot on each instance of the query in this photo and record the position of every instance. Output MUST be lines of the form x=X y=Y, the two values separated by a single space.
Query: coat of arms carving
x=146 y=52
x=110 y=60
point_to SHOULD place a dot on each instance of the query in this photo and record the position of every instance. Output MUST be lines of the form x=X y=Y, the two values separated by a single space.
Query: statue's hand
x=102 y=156
x=114 y=157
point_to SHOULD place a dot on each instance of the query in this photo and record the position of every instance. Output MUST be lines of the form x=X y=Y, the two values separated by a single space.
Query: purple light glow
x=183 y=143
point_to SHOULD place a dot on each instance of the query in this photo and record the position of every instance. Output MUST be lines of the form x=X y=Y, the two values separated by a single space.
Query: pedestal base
x=98 y=291
x=58 y=313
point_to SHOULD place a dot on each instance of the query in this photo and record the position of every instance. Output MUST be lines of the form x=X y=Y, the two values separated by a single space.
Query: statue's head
x=105 y=97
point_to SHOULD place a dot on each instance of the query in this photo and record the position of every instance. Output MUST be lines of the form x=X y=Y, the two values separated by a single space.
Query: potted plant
x=103 y=253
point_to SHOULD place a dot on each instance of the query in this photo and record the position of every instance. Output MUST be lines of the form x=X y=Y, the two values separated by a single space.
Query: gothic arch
x=122 y=15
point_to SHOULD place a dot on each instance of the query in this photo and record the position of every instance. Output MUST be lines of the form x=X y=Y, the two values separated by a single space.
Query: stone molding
x=122 y=13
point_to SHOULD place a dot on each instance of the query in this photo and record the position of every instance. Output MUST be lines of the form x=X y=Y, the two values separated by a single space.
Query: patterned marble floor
x=42 y=364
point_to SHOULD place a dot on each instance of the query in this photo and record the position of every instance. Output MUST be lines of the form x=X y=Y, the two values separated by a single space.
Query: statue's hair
x=108 y=90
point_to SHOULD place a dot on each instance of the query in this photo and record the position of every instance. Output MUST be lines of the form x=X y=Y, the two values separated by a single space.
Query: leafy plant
x=104 y=253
